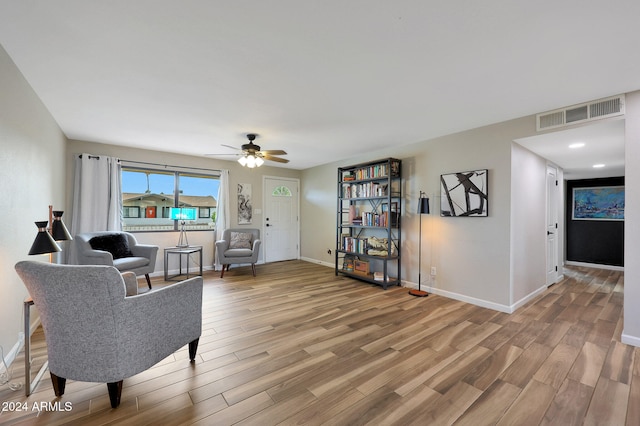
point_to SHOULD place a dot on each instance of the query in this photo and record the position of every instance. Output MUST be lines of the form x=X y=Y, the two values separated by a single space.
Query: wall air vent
x=602 y=108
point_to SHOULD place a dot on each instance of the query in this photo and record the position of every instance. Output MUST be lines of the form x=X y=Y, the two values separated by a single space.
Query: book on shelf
x=379 y=276
x=364 y=190
x=353 y=213
x=347 y=264
x=354 y=245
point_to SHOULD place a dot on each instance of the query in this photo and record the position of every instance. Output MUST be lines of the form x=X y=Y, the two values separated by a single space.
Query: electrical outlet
x=433 y=271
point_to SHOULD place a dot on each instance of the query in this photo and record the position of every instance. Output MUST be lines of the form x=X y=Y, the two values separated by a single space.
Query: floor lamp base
x=418 y=293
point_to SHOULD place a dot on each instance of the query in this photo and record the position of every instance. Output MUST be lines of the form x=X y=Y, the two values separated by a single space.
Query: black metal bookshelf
x=369 y=222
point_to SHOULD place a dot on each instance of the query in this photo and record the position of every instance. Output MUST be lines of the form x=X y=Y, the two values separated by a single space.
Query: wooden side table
x=180 y=251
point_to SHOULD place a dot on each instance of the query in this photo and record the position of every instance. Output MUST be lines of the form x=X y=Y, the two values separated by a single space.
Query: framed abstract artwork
x=464 y=194
x=598 y=203
x=245 y=209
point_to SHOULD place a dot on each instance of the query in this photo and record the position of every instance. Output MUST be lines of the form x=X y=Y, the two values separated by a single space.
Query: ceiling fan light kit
x=250 y=161
x=251 y=155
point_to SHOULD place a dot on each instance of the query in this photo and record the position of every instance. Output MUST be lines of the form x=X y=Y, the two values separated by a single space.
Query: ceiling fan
x=251 y=156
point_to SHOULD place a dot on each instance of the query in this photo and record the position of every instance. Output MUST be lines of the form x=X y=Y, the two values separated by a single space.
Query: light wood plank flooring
x=297 y=345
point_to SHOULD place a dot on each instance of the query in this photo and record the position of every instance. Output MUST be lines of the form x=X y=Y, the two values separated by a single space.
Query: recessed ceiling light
x=576 y=145
x=598 y=166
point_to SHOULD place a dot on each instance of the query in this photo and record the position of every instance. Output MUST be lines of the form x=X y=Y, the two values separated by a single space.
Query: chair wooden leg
x=222 y=271
x=58 y=384
x=148 y=280
x=193 y=347
x=115 y=392
x=253 y=268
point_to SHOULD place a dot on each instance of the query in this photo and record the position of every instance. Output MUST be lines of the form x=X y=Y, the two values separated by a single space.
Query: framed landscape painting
x=464 y=194
x=598 y=203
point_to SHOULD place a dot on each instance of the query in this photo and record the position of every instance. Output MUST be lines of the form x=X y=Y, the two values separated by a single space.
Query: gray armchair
x=94 y=333
x=119 y=249
x=238 y=245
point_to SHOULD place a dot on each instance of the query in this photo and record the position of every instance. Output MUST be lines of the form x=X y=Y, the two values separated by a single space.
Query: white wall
x=471 y=255
x=495 y=262
x=318 y=223
x=631 y=331
x=32 y=172
x=237 y=174
x=528 y=223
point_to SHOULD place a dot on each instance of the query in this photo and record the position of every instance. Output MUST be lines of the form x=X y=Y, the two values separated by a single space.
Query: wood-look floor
x=297 y=345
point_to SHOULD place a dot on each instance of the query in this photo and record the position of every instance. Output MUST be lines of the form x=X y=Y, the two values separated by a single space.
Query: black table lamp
x=44 y=242
x=423 y=208
x=59 y=231
x=49 y=232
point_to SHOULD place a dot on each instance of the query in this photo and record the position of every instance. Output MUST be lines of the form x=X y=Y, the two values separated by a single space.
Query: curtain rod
x=93 y=157
x=168 y=165
x=97 y=157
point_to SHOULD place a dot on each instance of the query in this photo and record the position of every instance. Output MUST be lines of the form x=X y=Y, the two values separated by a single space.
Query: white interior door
x=552 y=225
x=281 y=224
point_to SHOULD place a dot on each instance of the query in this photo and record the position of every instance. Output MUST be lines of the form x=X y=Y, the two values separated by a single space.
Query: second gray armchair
x=238 y=245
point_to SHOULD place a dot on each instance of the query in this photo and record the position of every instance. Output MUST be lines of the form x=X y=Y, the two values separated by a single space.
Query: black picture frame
x=464 y=194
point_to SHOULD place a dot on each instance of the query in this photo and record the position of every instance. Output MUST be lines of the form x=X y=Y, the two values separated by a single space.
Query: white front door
x=552 y=225
x=281 y=224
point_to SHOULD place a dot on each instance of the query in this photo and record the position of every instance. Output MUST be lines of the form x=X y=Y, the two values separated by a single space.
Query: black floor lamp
x=423 y=208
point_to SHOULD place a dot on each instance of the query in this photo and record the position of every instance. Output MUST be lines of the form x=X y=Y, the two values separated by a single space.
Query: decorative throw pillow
x=240 y=240
x=116 y=244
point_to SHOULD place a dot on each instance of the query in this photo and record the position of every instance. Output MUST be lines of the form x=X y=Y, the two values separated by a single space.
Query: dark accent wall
x=594 y=241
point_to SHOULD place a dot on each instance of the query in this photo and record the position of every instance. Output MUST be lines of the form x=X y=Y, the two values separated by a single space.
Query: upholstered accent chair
x=119 y=249
x=94 y=333
x=237 y=246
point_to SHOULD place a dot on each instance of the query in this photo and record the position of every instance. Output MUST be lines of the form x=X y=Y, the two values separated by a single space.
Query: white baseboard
x=13 y=353
x=630 y=340
x=318 y=262
x=509 y=309
x=528 y=298
x=595 y=265
x=456 y=296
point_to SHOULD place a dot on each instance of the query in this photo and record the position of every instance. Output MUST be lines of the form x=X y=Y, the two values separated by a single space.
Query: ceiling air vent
x=602 y=108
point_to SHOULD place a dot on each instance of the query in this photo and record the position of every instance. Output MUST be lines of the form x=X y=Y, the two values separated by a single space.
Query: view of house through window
x=148 y=195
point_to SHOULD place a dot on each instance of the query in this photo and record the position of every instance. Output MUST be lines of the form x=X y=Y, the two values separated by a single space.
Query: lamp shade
x=59 y=231
x=43 y=243
x=423 y=205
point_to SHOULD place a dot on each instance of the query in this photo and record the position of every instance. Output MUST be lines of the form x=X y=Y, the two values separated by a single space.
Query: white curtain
x=97 y=195
x=222 y=209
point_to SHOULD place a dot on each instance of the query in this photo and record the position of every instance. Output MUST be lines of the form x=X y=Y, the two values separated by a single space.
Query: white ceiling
x=322 y=80
x=602 y=143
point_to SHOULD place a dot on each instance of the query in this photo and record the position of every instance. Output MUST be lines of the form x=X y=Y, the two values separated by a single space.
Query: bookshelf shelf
x=368 y=222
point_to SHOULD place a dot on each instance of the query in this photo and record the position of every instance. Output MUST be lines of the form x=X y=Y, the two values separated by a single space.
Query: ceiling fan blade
x=276 y=159
x=274 y=152
x=217 y=155
x=229 y=146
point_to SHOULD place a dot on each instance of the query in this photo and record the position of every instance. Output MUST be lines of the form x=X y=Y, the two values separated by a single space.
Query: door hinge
x=556 y=269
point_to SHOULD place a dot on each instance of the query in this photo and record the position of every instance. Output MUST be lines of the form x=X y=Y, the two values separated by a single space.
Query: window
x=281 y=191
x=130 y=212
x=148 y=194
